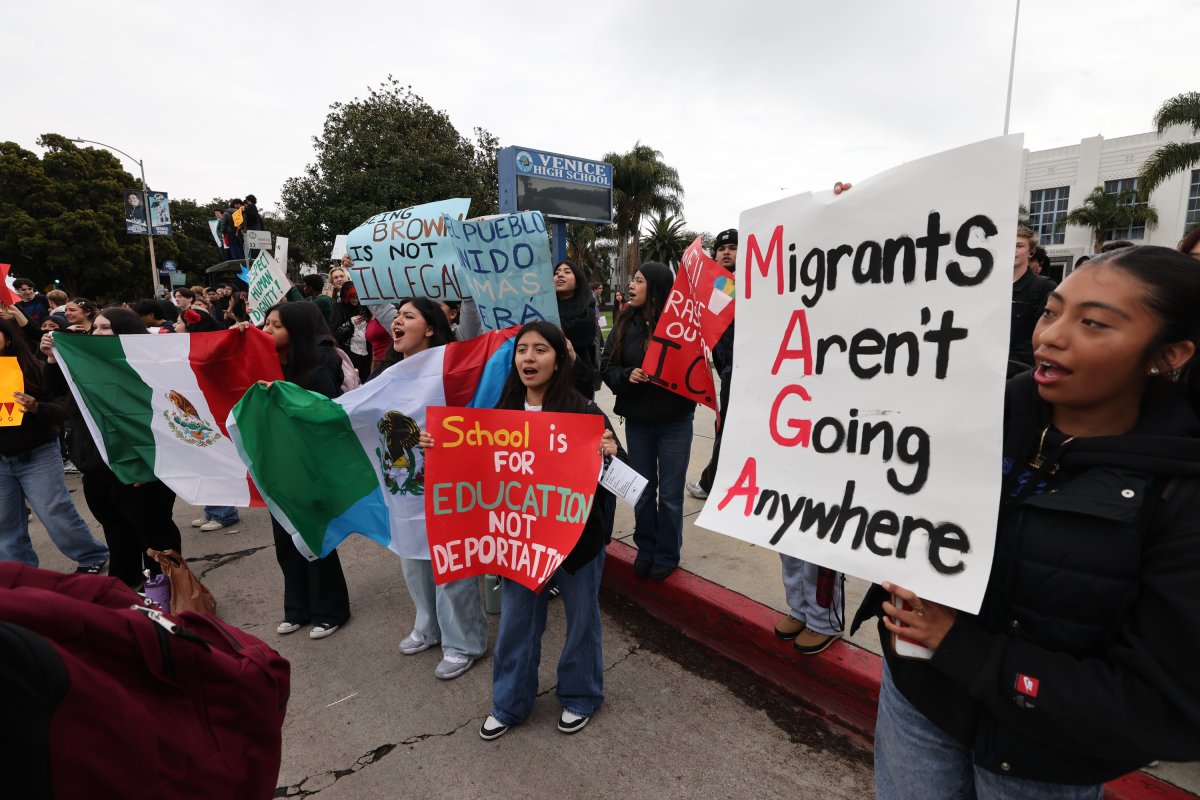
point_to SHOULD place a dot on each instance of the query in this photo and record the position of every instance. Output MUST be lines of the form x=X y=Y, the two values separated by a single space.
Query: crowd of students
x=1078 y=668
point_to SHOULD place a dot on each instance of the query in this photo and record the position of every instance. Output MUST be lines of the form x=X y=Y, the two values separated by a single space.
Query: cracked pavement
x=366 y=722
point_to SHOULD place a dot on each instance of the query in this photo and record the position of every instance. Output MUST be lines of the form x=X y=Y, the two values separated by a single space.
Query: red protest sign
x=6 y=294
x=508 y=492
x=699 y=309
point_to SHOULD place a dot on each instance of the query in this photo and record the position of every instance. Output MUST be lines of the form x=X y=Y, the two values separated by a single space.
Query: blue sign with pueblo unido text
x=504 y=263
x=406 y=253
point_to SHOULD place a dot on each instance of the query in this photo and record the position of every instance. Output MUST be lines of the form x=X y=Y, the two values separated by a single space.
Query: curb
x=841 y=684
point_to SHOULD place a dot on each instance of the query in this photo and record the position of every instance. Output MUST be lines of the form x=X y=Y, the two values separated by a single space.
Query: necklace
x=1039 y=461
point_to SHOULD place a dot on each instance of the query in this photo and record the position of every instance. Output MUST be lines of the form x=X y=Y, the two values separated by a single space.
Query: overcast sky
x=750 y=101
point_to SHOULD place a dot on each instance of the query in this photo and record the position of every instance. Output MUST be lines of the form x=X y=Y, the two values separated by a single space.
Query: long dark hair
x=1172 y=281
x=123 y=321
x=582 y=304
x=1190 y=240
x=307 y=334
x=659 y=279
x=15 y=345
x=561 y=394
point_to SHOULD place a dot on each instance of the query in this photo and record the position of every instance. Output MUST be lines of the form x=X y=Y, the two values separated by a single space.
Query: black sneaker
x=492 y=728
x=91 y=569
x=571 y=723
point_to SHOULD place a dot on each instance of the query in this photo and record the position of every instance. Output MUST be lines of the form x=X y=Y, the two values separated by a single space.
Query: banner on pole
x=160 y=213
x=405 y=253
x=504 y=263
x=135 y=212
x=508 y=492
x=868 y=377
x=699 y=309
x=212 y=227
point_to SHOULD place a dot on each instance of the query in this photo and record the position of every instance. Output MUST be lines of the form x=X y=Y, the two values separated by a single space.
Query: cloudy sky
x=749 y=100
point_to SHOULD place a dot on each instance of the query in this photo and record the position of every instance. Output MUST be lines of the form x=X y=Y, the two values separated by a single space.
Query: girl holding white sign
x=658 y=424
x=1081 y=663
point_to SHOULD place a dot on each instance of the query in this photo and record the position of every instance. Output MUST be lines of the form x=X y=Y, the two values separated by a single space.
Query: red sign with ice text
x=508 y=492
x=699 y=309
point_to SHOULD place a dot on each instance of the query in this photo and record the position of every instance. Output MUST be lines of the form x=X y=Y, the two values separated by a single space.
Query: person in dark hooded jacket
x=1081 y=663
x=658 y=424
x=577 y=317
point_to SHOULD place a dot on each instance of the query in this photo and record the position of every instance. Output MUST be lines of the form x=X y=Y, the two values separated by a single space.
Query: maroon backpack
x=101 y=696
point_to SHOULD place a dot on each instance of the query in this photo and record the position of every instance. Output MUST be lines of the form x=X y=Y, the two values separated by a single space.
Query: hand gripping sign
x=508 y=492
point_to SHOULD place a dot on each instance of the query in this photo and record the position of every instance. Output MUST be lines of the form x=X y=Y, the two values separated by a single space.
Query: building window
x=1047 y=207
x=1193 y=209
x=1133 y=232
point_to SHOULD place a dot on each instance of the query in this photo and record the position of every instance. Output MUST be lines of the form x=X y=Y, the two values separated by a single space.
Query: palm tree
x=665 y=239
x=1102 y=212
x=590 y=248
x=642 y=184
x=1173 y=157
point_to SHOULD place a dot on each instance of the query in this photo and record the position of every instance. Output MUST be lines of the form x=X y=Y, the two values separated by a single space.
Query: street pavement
x=365 y=721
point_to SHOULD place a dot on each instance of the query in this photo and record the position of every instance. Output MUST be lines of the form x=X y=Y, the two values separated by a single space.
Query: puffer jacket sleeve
x=1136 y=702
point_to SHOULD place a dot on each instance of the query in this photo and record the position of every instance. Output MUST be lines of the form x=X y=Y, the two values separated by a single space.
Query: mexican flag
x=156 y=405
x=330 y=468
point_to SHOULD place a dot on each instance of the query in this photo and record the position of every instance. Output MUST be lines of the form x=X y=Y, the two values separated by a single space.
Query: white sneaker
x=696 y=490
x=452 y=666
x=212 y=525
x=286 y=627
x=413 y=644
x=69 y=468
x=321 y=631
x=196 y=523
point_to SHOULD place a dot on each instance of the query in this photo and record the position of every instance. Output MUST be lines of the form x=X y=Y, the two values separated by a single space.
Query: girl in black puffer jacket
x=1081 y=664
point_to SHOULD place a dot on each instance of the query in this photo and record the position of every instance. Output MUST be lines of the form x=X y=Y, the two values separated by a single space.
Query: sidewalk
x=733 y=596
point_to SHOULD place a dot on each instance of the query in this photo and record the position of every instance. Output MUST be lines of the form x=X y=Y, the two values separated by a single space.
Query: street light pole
x=145 y=209
x=1012 y=65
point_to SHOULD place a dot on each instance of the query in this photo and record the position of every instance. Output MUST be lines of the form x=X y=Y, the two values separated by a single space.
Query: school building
x=1057 y=180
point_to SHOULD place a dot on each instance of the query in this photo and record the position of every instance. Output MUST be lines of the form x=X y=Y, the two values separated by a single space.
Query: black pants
x=710 y=472
x=133 y=518
x=313 y=591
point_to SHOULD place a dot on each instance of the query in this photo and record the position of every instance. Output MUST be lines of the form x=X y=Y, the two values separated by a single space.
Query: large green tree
x=642 y=184
x=62 y=219
x=1173 y=157
x=383 y=152
x=1102 y=212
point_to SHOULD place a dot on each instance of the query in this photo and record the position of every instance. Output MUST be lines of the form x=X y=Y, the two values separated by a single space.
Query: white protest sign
x=267 y=286
x=281 y=252
x=339 y=247
x=864 y=423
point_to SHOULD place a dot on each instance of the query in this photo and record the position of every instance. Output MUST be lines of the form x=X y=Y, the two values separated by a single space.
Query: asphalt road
x=366 y=722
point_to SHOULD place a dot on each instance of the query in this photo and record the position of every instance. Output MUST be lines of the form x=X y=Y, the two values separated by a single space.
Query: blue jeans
x=226 y=515
x=659 y=451
x=451 y=613
x=40 y=479
x=916 y=760
x=519 y=646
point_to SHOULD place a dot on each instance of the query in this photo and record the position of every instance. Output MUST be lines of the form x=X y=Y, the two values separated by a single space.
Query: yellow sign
x=11 y=380
x=238 y=216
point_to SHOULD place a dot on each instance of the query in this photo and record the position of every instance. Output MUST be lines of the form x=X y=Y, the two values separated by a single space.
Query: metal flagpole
x=1012 y=63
